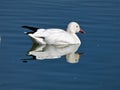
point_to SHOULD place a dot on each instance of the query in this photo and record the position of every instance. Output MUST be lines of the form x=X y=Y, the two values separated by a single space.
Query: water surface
x=97 y=69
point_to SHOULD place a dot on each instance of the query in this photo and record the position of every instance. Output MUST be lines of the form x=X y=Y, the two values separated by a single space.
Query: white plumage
x=56 y=36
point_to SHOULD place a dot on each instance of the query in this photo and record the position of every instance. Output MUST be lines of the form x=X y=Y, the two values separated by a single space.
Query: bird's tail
x=34 y=29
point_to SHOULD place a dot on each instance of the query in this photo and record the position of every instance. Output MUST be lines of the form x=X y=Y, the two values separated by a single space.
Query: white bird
x=56 y=36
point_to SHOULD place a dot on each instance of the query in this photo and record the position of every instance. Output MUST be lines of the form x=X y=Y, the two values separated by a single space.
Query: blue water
x=97 y=69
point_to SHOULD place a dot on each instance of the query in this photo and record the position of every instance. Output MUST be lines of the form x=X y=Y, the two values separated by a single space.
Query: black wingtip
x=24 y=26
x=31 y=28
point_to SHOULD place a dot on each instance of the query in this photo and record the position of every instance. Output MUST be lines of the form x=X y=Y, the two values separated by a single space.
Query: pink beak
x=82 y=31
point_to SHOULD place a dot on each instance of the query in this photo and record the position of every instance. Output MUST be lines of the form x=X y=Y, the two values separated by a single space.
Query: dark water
x=97 y=69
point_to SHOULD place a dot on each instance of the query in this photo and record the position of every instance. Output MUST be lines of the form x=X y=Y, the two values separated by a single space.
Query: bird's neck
x=70 y=32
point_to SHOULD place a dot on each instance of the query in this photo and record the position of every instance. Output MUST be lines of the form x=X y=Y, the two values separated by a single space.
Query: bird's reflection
x=43 y=52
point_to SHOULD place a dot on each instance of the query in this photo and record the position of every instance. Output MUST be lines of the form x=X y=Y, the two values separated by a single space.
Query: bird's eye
x=76 y=26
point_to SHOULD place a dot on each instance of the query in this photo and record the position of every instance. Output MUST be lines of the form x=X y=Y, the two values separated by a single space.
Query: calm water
x=97 y=69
